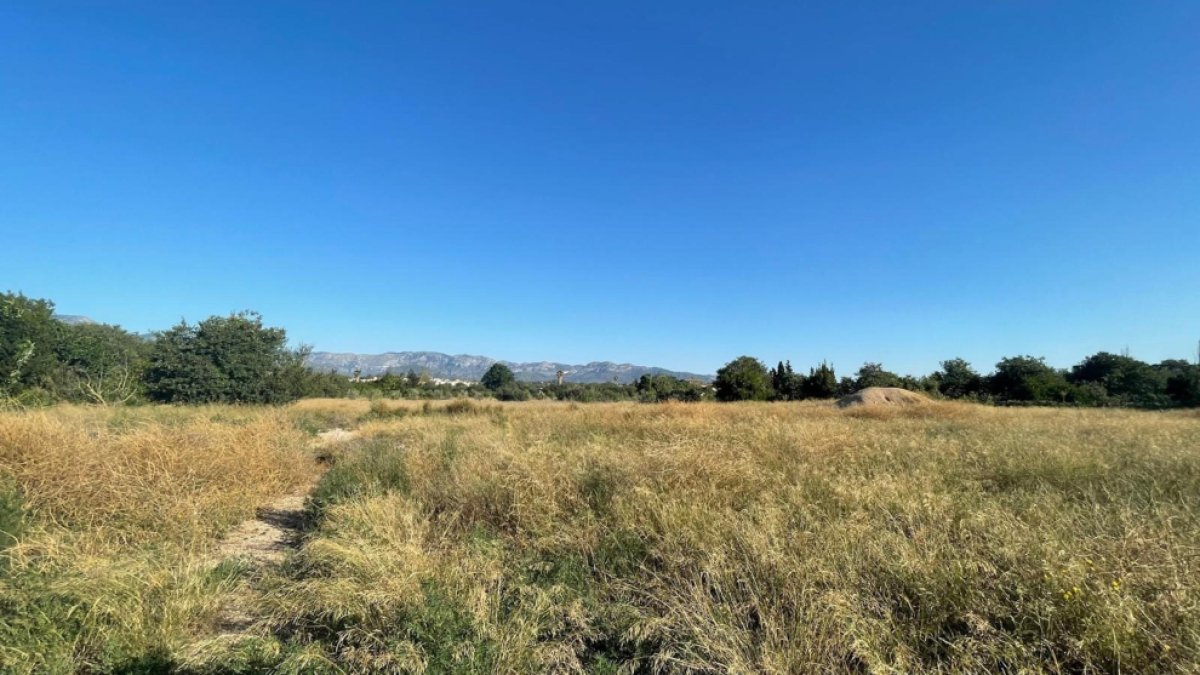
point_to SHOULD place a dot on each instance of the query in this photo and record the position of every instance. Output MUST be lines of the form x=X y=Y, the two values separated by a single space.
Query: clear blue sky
x=670 y=183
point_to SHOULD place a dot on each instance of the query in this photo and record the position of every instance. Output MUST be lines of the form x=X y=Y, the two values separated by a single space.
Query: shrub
x=512 y=392
x=382 y=409
x=461 y=406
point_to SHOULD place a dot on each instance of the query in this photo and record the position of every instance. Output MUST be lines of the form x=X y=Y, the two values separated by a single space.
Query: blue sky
x=670 y=183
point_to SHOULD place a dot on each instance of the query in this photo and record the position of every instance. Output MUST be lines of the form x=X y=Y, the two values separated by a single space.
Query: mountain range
x=73 y=319
x=470 y=368
x=464 y=367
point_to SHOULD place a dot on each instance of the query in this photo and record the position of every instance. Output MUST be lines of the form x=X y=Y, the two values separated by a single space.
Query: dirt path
x=276 y=527
x=265 y=540
x=273 y=532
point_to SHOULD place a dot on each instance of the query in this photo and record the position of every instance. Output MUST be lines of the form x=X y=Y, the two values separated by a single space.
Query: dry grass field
x=606 y=538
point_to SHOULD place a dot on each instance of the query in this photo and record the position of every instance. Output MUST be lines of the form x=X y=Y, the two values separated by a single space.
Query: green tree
x=1183 y=386
x=1026 y=378
x=821 y=382
x=1124 y=379
x=846 y=386
x=743 y=379
x=99 y=363
x=873 y=375
x=27 y=338
x=233 y=359
x=292 y=379
x=787 y=384
x=498 y=377
x=957 y=379
x=390 y=383
x=658 y=388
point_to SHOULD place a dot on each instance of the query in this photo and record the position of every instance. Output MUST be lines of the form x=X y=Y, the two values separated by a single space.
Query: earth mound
x=881 y=396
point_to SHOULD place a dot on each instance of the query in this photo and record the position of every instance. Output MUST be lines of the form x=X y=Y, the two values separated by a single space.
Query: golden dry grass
x=555 y=537
x=752 y=538
x=126 y=506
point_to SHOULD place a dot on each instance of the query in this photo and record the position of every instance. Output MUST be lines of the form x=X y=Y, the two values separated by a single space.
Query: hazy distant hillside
x=466 y=367
x=73 y=319
x=463 y=366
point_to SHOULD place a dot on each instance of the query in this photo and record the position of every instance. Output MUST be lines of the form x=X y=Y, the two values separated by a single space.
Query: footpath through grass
x=115 y=514
x=625 y=538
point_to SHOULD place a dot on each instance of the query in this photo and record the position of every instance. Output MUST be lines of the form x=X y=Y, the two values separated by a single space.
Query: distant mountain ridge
x=73 y=319
x=463 y=366
x=468 y=367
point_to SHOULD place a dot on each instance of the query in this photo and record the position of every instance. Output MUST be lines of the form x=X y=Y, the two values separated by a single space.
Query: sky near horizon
x=671 y=184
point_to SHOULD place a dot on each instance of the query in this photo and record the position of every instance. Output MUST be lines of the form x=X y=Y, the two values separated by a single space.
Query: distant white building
x=453 y=383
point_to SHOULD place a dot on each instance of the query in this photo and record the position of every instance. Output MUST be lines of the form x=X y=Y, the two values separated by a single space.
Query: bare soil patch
x=334 y=436
x=274 y=531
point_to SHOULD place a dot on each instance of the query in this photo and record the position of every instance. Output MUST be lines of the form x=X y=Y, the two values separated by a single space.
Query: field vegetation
x=109 y=519
x=487 y=537
x=239 y=359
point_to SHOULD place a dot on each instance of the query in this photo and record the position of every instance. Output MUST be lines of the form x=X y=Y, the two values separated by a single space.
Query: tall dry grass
x=612 y=538
x=748 y=538
x=122 y=509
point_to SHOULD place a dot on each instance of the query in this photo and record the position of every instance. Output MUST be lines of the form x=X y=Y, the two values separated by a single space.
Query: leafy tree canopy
x=957 y=379
x=232 y=359
x=658 y=388
x=27 y=336
x=873 y=375
x=1183 y=387
x=1026 y=378
x=743 y=379
x=1123 y=378
x=99 y=363
x=498 y=377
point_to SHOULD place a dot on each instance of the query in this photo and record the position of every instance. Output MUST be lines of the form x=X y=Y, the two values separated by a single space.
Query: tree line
x=232 y=359
x=229 y=359
x=237 y=359
x=500 y=382
x=1102 y=379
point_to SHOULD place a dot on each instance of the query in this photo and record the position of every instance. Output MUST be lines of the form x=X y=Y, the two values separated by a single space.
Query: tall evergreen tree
x=821 y=382
x=786 y=383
